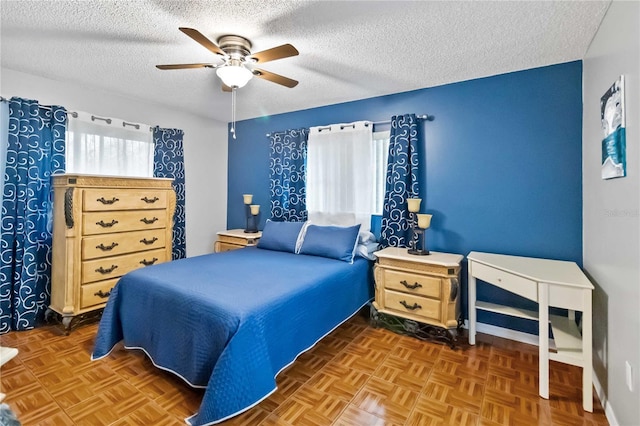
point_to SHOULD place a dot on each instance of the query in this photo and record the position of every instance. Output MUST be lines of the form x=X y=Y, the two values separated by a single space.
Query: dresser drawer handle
x=410 y=286
x=107 y=248
x=108 y=270
x=102 y=294
x=146 y=262
x=148 y=221
x=107 y=224
x=111 y=201
x=410 y=307
x=147 y=242
x=149 y=200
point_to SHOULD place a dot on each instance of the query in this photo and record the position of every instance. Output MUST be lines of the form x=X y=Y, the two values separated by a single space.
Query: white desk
x=549 y=283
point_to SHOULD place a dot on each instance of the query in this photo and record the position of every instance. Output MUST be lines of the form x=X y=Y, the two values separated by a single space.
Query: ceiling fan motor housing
x=235 y=46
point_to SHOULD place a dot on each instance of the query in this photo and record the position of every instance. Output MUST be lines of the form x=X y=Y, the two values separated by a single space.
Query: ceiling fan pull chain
x=233 y=111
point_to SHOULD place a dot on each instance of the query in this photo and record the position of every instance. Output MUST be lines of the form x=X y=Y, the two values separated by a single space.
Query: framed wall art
x=612 y=115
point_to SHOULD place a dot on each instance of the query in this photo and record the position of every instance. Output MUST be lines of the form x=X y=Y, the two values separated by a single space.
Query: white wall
x=611 y=213
x=205 y=145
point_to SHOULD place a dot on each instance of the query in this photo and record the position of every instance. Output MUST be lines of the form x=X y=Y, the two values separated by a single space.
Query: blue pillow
x=335 y=242
x=280 y=236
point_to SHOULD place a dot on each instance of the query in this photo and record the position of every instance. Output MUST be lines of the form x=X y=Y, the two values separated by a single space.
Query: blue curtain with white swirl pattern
x=401 y=181
x=287 y=175
x=168 y=162
x=35 y=151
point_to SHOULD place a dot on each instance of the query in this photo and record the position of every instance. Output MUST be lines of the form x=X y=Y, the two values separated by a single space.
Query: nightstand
x=233 y=239
x=418 y=295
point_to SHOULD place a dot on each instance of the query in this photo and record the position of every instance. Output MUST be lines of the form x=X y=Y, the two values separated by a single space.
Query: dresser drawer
x=119 y=221
x=126 y=242
x=510 y=282
x=96 y=293
x=117 y=266
x=403 y=303
x=412 y=283
x=123 y=199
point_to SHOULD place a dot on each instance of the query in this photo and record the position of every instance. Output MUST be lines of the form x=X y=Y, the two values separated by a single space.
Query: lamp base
x=251 y=231
x=418 y=252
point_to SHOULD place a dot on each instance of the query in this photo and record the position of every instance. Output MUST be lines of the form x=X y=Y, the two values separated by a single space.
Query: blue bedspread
x=231 y=321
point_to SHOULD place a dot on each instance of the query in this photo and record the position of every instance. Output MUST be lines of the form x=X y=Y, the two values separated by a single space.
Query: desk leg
x=587 y=366
x=543 y=336
x=472 y=308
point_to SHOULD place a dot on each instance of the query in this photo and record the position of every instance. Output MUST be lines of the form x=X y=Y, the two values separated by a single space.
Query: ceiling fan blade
x=275 y=78
x=208 y=44
x=284 y=51
x=184 y=66
x=226 y=88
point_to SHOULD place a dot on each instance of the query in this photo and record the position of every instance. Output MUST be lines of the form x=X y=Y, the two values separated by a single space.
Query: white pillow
x=332 y=219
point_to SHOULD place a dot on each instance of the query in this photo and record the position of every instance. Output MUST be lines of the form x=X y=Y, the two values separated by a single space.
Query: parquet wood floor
x=357 y=375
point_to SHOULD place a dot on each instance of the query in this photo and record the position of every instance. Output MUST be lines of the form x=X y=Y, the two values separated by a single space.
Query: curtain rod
x=93 y=117
x=374 y=123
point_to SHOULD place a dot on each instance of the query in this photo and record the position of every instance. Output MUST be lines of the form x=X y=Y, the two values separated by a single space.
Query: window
x=108 y=147
x=346 y=167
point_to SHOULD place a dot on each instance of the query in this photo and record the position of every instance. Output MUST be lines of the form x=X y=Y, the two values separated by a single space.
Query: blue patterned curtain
x=401 y=181
x=168 y=162
x=288 y=154
x=35 y=150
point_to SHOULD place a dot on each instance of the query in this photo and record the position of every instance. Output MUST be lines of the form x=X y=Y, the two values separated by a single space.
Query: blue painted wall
x=502 y=170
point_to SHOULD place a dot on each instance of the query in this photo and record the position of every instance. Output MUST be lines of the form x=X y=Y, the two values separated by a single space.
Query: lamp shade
x=234 y=75
x=413 y=204
x=247 y=198
x=255 y=209
x=424 y=221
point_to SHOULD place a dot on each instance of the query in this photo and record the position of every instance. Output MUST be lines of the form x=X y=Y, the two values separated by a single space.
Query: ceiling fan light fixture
x=234 y=75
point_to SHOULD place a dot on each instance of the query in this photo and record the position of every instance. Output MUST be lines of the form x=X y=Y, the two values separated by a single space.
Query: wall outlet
x=629 y=375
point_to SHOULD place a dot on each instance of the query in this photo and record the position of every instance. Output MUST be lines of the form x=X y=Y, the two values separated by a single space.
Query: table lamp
x=418 y=227
x=252 y=211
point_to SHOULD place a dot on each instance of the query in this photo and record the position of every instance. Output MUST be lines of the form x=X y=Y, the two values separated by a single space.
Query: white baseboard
x=531 y=339
x=608 y=411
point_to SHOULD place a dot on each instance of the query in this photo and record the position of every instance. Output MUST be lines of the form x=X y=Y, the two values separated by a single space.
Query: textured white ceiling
x=348 y=49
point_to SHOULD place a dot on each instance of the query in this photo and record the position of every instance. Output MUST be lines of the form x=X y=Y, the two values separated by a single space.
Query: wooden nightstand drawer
x=412 y=283
x=234 y=239
x=415 y=305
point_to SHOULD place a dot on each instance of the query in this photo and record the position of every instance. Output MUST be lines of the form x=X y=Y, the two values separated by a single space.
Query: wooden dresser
x=234 y=239
x=425 y=290
x=104 y=227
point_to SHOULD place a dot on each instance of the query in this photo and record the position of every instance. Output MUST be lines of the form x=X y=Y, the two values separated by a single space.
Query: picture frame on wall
x=612 y=116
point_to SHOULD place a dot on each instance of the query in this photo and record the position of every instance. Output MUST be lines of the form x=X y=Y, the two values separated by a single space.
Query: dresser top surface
x=433 y=258
x=541 y=270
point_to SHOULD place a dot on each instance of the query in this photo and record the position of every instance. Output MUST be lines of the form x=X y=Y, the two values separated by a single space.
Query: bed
x=230 y=322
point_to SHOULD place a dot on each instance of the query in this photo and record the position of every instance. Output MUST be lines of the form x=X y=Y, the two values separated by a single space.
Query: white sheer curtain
x=97 y=147
x=345 y=171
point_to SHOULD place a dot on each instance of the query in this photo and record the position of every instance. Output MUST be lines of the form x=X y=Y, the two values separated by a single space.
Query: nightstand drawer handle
x=108 y=270
x=107 y=224
x=410 y=286
x=102 y=295
x=111 y=201
x=410 y=307
x=148 y=221
x=146 y=262
x=149 y=200
x=107 y=248
x=147 y=242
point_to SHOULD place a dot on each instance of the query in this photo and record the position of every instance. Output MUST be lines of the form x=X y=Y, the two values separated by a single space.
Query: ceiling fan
x=238 y=67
